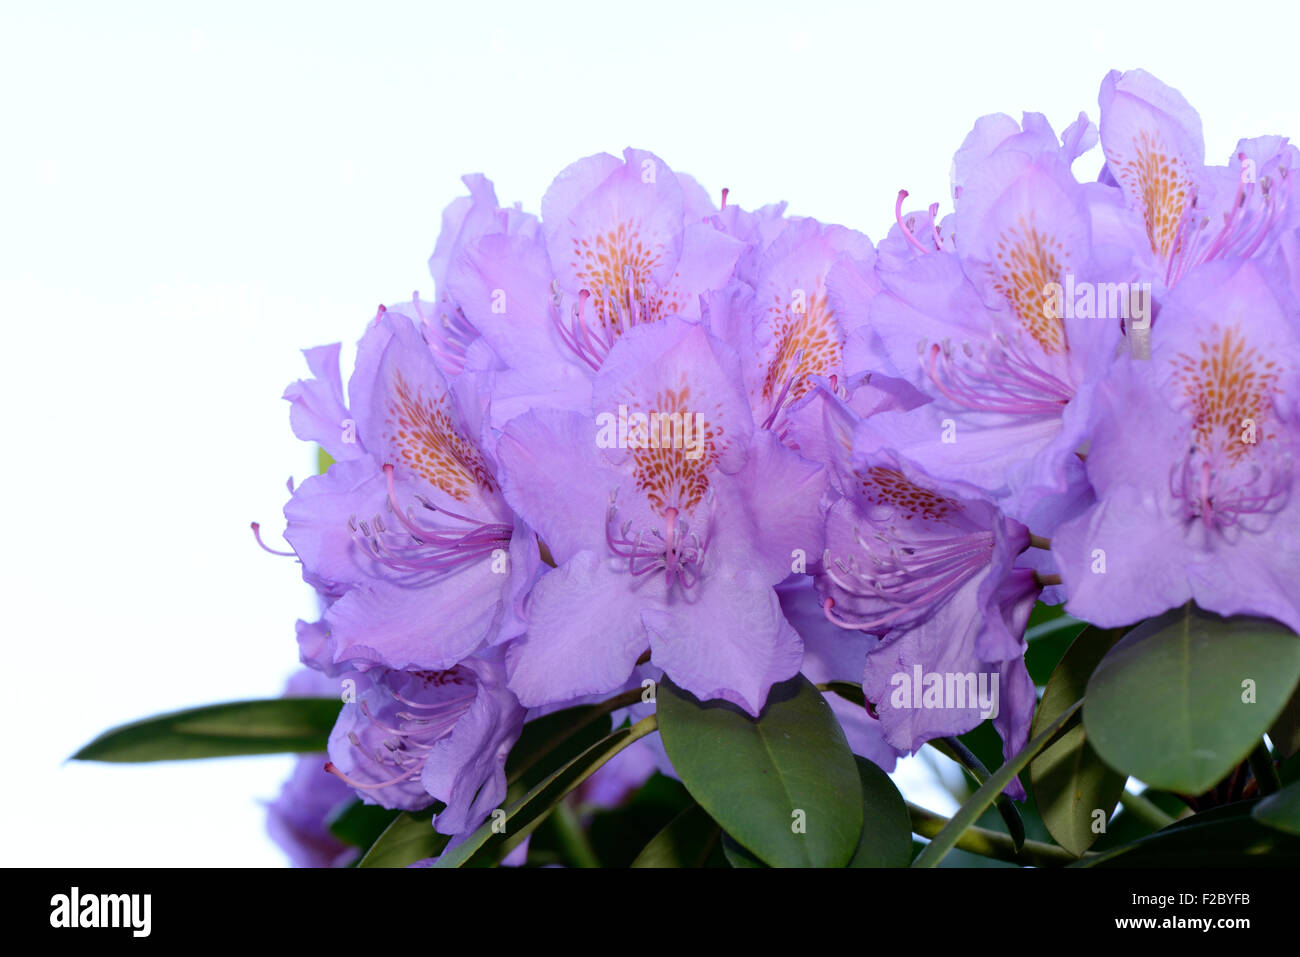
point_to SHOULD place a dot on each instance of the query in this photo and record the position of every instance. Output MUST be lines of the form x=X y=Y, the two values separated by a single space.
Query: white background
x=189 y=193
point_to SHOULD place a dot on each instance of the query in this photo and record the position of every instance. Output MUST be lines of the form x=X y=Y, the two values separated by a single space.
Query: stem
x=977 y=840
x=1039 y=541
x=573 y=839
x=1046 y=580
x=954 y=749
x=988 y=791
x=1261 y=765
x=1144 y=809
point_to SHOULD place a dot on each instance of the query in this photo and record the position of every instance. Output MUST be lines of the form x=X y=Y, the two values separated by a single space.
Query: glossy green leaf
x=688 y=841
x=1224 y=837
x=886 y=838
x=1071 y=784
x=784 y=785
x=408 y=839
x=270 y=726
x=1184 y=697
x=1281 y=811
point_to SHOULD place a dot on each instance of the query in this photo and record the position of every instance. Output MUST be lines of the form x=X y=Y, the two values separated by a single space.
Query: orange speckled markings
x=604 y=264
x=883 y=486
x=429 y=444
x=812 y=332
x=1162 y=184
x=1028 y=261
x=667 y=476
x=1229 y=382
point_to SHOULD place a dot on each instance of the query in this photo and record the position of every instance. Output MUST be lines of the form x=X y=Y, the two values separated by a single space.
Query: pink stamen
x=907 y=578
x=257 y=534
x=427 y=549
x=677 y=551
x=1007 y=382
x=898 y=217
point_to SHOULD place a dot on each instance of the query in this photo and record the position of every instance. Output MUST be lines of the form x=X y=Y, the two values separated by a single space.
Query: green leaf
x=688 y=841
x=785 y=785
x=1166 y=704
x=323 y=460
x=360 y=824
x=1281 y=811
x=1069 y=781
x=1224 y=837
x=886 y=839
x=525 y=814
x=271 y=726
x=408 y=839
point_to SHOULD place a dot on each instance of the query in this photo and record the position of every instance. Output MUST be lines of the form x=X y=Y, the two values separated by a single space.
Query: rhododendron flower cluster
x=642 y=436
x=647 y=452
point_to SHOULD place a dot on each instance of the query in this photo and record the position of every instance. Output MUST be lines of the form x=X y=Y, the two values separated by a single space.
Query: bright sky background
x=190 y=193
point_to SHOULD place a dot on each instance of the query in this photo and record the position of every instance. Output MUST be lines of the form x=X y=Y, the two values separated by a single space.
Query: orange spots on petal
x=807 y=341
x=428 y=443
x=1161 y=183
x=1027 y=261
x=889 y=487
x=1227 y=383
x=605 y=262
x=662 y=449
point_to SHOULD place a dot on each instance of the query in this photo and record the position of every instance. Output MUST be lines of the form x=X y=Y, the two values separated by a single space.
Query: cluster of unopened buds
x=646 y=435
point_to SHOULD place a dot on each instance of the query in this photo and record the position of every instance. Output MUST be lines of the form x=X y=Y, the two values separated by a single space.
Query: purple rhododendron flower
x=779 y=318
x=931 y=568
x=411 y=737
x=1192 y=458
x=673 y=544
x=412 y=535
x=1177 y=211
x=975 y=323
x=456 y=344
x=623 y=243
